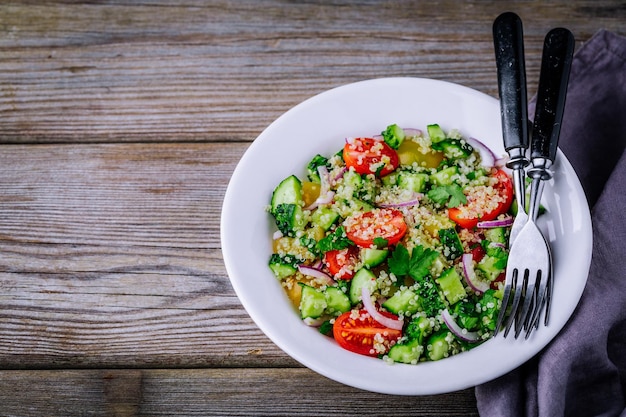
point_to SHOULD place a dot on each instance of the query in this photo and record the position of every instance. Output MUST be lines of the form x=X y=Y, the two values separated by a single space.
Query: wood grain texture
x=223 y=70
x=208 y=392
x=111 y=258
x=121 y=123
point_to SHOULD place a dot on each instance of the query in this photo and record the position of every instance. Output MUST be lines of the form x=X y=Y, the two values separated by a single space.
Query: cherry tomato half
x=341 y=263
x=370 y=156
x=357 y=335
x=504 y=188
x=385 y=223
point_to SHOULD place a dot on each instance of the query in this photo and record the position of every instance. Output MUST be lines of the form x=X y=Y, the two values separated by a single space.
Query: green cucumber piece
x=312 y=303
x=452 y=246
x=444 y=176
x=336 y=301
x=406 y=352
x=282 y=266
x=437 y=346
x=497 y=235
x=362 y=278
x=372 y=257
x=412 y=181
x=436 y=133
x=451 y=286
x=324 y=217
x=405 y=301
x=289 y=191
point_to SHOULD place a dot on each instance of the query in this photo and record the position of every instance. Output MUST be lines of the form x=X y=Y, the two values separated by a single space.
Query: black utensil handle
x=508 y=42
x=556 y=61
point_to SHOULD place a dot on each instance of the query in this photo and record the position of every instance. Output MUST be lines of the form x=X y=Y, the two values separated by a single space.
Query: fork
x=529 y=268
x=508 y=44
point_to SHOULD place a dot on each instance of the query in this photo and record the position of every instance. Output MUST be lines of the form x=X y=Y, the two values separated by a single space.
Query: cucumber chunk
x=437 y=346
x=282 y=266
x=372 y=257
x=436 y=133
x=454 y=148
x=452 y=246
x=406 y=352
x=412 y=181
x=497 y=235
x=324 y=217
x=336 y=301
x=362 y=277
x=289 y=191
x=405 y=301
x=445 y=176
x=451 y=286
x=312 y=303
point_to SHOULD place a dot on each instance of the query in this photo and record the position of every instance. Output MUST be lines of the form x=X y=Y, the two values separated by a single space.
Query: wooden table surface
x=120 y=125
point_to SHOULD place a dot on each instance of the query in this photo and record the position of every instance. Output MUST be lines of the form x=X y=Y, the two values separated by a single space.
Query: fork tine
x=508 y=284
x=550 y=287
x=535 y=314
x=520 y=284
x=531 y=298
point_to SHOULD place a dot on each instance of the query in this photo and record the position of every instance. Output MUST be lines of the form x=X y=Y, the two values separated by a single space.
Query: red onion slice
x=410 y=132
x=457 y=330
x=477 y=285
x=322 y=199
x=487 y=157
x=340 y=173
x=316 y=273
x=505 y=222
x=395 y=324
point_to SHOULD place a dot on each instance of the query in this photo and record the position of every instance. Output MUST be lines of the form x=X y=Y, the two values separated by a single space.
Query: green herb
x=380 y=243
x=337 y=240
x=421 y=260
x=417 y=265
x=326 y=328
x=448 y=195
x=310 y=244
x=316 y=162
x=399 y=261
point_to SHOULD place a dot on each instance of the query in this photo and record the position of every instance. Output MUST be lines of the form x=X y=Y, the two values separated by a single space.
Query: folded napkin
x=582 y=372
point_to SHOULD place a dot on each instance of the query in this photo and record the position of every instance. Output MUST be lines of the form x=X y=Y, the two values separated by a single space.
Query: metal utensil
x=529 y=268
x=508 y=42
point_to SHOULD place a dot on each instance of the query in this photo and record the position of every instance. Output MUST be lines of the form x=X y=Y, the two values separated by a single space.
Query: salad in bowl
x=396 y=245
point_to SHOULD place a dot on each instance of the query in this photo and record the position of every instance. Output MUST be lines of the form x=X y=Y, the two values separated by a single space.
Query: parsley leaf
x=417 y=265
x=335 y=241
x=449 y=195
x=380 y=243
x=421 y=260
x=399 y=261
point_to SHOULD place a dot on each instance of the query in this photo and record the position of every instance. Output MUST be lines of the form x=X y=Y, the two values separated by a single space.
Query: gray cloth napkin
x=582 y=372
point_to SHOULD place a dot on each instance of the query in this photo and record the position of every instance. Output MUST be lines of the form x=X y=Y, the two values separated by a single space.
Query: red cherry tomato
x=341 y=263
x=358 y=334
x=370 y=156
x=364 y=227
x=504 y=187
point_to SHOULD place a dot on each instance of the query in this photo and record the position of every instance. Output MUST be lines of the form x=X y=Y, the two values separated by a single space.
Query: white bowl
x=319 y=125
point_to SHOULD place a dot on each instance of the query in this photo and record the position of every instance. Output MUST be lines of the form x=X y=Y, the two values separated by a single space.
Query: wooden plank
x=208 y=392
x=223 y=70
x=111 y=257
